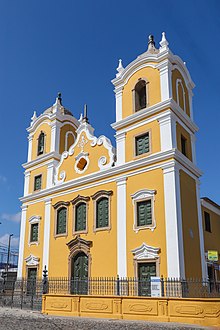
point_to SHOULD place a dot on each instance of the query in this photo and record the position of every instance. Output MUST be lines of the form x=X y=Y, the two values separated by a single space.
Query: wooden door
x=145 y=271
x=79 y=275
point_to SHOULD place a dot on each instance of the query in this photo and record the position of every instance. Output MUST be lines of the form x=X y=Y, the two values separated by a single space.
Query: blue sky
x=73 y=47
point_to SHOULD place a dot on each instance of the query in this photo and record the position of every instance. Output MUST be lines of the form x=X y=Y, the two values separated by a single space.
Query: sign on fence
x=212 y=255
x=155 y=286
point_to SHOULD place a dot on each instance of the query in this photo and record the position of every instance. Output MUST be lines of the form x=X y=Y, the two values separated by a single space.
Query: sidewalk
x=11 y=319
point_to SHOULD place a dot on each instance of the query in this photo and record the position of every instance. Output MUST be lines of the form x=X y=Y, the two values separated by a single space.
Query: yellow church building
x=92 y=210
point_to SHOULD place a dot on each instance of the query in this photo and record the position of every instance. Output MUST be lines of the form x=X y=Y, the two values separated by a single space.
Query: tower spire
x=151 y=44
x=85 y=118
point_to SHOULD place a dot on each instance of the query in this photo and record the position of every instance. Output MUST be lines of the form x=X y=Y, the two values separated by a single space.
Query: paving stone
x=11 y=319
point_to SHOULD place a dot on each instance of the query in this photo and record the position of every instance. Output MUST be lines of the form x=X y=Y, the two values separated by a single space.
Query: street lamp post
x=9 y=245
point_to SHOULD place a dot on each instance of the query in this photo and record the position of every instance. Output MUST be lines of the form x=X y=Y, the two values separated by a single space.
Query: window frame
x=75 y=202
x=141 y=196
x=35 y=219
x=35 y=177
x=96 y=197
x=135 y=140
x=206 y=227
x=134 y=94
x=57 y=207
x=44 y=147
x=183 y=138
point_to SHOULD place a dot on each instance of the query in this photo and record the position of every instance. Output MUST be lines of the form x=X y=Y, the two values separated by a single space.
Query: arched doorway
x=79 y=273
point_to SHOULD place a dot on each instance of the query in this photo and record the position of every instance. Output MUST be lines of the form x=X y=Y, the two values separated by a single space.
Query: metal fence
x=27 y=293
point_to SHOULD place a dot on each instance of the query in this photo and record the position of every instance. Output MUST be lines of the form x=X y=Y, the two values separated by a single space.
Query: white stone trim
x=145 y=252
x=55 y=137
x=179 y=82
x=118 y=103
x=22 y=239
x=144 y=195
x=34 y=219
x=121 y=227
x=193 y=146
x=27 y=176
x=167 y=132
x=30 y=147
x=31 y=260
x=173 y=220
x=46 y=243
x=201 y=232
x=84 y=155
x=210 y=207
x=50 y=173
x=120 y=148
x=41 y=160
x=165 y=80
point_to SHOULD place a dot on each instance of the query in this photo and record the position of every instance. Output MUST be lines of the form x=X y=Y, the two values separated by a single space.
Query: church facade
x=92 y=210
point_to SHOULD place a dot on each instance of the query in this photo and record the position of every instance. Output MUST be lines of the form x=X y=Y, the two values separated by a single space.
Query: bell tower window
x=41 y=140
x=140 y=95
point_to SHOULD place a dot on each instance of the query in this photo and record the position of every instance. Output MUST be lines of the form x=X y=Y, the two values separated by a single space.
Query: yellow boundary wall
x=202 y=311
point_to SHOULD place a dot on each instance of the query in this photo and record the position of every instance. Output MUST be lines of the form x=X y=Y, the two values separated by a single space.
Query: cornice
x=116 y=171
x=41 y=159
x=210 y=206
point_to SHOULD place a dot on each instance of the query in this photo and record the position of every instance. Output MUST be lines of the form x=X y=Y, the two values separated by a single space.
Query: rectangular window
x=61 y=221
x=144 y=213
x=207 y=222
x=102 y=213
x=34 y=232
x=37 y=182
x=183 y=145
x=80 y=217
x=142 y=144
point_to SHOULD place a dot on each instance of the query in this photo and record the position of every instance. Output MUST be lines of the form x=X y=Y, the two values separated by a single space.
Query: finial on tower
x=34 y=117
x=164 y=43
x=85 y=118
x=151 y=44
x=59 y=97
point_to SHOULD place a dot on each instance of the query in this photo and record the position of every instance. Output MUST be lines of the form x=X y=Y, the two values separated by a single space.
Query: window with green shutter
x=142 y=144
x=80 y=217
x=102 y=213
x=37 y=182
x=34 y=232
x=61 y=221
x=40 y=148
x=144 y=213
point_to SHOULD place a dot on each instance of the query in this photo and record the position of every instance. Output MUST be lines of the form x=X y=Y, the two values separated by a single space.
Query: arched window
x=41 y=141
x=80 y=217
x=140 y=95
x=61 y=221
x=180 y=94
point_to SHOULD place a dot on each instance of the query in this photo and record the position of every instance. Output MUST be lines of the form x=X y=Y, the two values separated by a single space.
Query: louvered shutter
x=80 y=217
x=61 y=221
x=142 y=144
x=37 y=182
x=144 y=213
x=40 y=149
x=102 y=213
x=34 y=232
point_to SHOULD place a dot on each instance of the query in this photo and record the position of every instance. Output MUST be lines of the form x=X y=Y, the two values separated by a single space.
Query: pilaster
x=27 y=175
x=22 y=238
x=46 y=243
x=120 y=147
x=55 y=136
x=168 y=139
x=50 y=173
x=30 y=144
x=118 y=103
x=121 y=227
x=165 y=80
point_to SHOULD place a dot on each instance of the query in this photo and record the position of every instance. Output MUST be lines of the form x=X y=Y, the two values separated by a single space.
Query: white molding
x=84 y=155
x=31 y=260
x=34 y=219
x=120 y=148
x=201 y=232
x=149 y=162
x=46 y=243
x=66 y=139
x=40 y=160
x=121 y=227
x=210 y=207
x=179 y=81
x=145 y=252
x=173 y=221
x=55 y=136
x=30 y=147
x=27 y=176
x=168 y=132
x=22 y=240
x=193 y=146
x=118 y=103
x=50 y=173
x=165 y=80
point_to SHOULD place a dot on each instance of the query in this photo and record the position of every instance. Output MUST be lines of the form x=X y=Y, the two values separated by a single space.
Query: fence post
x=118 y=286
x=45 y=281
x=162 y=286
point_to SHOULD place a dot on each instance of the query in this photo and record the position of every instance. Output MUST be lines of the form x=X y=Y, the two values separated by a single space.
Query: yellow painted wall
x=190 y=226
x=103 y=250
x=36 y=250
x=154 y=131
x=63 y=131
x=157 y=238
x=177 y=75
x=153 y=77
x=181 y=131
x=47 y=130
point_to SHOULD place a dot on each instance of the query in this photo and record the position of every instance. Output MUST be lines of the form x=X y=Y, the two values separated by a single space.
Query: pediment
x=32 y=260
x=145 y=251
x=87 y=155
